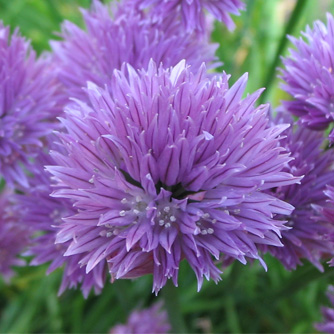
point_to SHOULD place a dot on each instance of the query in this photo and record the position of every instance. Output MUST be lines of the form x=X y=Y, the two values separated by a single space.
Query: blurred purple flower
x=14 y=237
x=44 y=219
x=308 y=75
x=168 y=165
x=192 y=12
x=309 y=236
x=128 y=36
x=327 y=326
x=328 y=214
x=147 y=321
x=27 y=105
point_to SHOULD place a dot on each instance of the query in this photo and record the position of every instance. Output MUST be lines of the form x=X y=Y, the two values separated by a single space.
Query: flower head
x=128 y=36
x=14 y=237
x=28 y=104
x=169 y=165
x=327 y=326
x=192 y=12
x=44 y=220
x=151 y=320
x=308 y=76
x=308 y=236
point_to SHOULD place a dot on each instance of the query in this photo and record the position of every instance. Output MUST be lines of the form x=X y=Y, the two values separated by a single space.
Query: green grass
x=248 y=299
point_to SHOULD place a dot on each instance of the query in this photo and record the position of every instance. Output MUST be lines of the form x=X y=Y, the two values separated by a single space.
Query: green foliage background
x=248 y=300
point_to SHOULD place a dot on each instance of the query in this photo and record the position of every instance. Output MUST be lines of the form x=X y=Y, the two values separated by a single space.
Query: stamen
x=172 y=219
x=166 y=208
x=122 y=213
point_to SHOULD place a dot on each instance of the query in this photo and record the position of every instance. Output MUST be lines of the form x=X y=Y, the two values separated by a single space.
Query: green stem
x=293 y=21
x=172 y=304
x=300 y=279
x=123 y=293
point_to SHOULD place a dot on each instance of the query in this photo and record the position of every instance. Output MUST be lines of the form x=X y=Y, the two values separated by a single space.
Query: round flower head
x=14 y=237
x=27 y=104
x=308 y=236
x=129 y=36
x=308 y=76
x=168 y=165
x=192 y=12
x=44 y=219
x=327 y=326
x=151 y=320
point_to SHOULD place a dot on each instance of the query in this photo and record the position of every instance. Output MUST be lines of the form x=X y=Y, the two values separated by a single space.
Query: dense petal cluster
x=168 y=165
x=14 y=237
x=309 y=234
x=192 y=12
x=127 y=36
x=28 y=104
x=151 y=320
x=327 y=326
x=308 y=76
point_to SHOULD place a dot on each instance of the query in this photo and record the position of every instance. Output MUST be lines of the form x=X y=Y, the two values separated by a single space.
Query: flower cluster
x=151 y=320
x=309 y=234
x=308 y=76
x=28 y=105
x=168 y=165
x=192 y=11
x=130 y=36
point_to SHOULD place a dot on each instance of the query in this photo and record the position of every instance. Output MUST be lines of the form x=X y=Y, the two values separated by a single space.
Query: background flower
x=308 y=75
x=309 y=234
x=192 y=12
x=28 y=105
x=44 y=220
x=14 y=237
x=327 y=326
x=150 y=320
x=128 y=35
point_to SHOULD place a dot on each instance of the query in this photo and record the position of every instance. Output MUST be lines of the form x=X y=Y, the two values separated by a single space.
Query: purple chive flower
x=28 y=104
x=150 y=320
x=192 y=12
x=129 y=36
x=14 y=237
x=308 y=76
x=308 y=236
x=45 y=219
x=327 y=326
x=169 y=165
